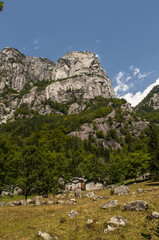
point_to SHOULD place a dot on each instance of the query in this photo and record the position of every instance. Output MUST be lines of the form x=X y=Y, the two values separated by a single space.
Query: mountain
x=76 y=78
x=149 y=106
x=64 y=120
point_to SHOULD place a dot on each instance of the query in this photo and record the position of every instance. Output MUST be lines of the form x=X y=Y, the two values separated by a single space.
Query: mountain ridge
x=75 y=77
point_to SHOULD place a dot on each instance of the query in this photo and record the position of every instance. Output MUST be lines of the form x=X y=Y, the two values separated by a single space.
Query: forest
x=36 y=151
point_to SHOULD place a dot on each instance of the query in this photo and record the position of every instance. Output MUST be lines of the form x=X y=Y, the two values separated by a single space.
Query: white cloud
x=128 y=78
x=136 y=71
x=134 y=99
x=143 y=75
x=36 y=41
x=36 y=48
x=121 y=86
x=97 y=41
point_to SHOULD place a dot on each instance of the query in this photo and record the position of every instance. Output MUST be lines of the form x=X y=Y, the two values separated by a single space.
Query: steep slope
x=76 y=78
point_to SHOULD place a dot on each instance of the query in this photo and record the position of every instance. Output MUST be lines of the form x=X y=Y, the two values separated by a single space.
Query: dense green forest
x=35 y=150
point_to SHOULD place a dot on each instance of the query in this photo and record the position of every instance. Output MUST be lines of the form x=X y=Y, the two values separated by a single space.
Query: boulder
x=89 y=221
x=44 y=235
x=110 y=204
x=138 y=205
x=153 y=215
x=50 y=202
x=78 y=193
x=118 y=221
x=139 y=190
x=72 y=214
x=121 y=190
x=95 y=198
x=90 y=194
x=115 y=222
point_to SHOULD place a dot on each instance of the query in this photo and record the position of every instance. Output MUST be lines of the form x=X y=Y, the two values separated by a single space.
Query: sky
x=124 y=34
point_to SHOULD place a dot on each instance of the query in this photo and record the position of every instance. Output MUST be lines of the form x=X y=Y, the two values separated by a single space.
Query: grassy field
x=23 y=223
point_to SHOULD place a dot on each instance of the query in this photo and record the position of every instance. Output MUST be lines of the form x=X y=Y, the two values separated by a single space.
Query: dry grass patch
x=23 y=223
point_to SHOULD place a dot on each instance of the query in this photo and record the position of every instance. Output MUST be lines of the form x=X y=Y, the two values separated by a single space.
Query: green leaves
x=1 y=5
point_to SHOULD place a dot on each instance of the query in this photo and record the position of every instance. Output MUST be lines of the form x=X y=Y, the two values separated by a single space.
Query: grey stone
x=110 y=204
x=139 y=190
x=60 y=202
x=72 y=214
x=138 y=205
x=121 y=190
x=115 y=222
x=96 y=198
x=89 y=221
x=118 y=220
x=37 y=202
x=78 y=193
x=44 y=235
x=90 y=194
x=50 y=202
x=154 y=215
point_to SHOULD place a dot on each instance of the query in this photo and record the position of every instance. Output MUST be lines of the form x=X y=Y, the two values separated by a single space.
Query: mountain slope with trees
x=64 y=120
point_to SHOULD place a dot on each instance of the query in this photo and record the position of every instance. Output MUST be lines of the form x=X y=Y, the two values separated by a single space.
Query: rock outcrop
x=36 y=81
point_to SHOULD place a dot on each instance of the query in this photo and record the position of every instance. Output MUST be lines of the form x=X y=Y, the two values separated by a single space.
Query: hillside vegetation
x=36 y=151
x=148 y=108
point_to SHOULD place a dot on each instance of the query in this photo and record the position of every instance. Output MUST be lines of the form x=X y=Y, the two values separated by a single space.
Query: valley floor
x=23 y=223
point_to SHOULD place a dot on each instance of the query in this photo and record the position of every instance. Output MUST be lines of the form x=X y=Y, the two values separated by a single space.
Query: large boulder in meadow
x=121 y=190
x=138 y=205
x=110 y=204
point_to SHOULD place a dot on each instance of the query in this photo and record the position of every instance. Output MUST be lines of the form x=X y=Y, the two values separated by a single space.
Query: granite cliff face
x=76 y=78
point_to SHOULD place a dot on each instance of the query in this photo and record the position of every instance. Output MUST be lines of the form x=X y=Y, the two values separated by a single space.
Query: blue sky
x=123 y=33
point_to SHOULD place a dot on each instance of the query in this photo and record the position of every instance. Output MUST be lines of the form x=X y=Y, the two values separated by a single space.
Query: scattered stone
x=118 y=220
x=90 y=194
x=60 y=202
x=59 y=196
x=37 y=202
x=44 y=235
x=89 y=221
x=138 y=205
x=139 y=190
x=2 y=204
x=109 y=229
x=28 y=201
x=72 y=201
x=72 y=214
x=50 y=202
x=111 y=204
x=153 y=215
x=95 y=198
x=115 y=222
x=78 y=193
x=121 y=190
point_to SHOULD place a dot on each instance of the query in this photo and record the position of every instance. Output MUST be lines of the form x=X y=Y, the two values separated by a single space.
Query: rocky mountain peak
x=78 y=63
x=11 y=54
x=73 y=80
